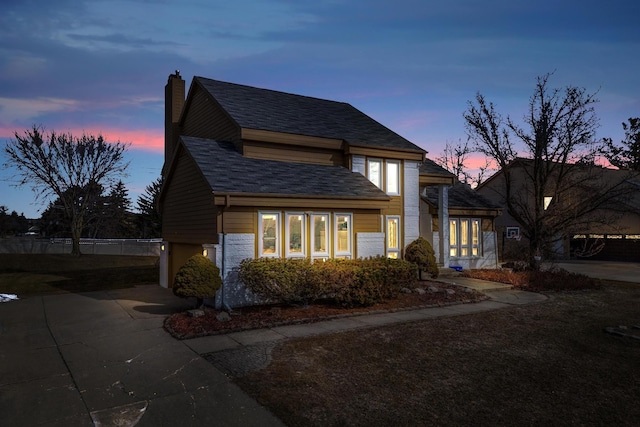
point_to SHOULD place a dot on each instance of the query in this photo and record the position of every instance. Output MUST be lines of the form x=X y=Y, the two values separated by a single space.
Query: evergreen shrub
x=420 y=253
x=199 y=277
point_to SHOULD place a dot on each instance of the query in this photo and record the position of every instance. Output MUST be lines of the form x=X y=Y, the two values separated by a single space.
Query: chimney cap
x=176 y=75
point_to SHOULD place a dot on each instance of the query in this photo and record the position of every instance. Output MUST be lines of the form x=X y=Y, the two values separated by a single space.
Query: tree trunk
x=76 y=232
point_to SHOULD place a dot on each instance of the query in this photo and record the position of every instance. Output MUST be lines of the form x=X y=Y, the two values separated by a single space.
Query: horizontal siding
x=366 y=222
x=205 y=119
x=288 y=153
x=394 y=207
x=240 y=221
x=189 y=215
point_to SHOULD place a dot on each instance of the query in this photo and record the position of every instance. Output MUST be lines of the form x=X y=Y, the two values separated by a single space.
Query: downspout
x=224 y=255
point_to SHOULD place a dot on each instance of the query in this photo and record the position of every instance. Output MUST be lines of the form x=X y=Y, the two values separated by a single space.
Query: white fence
x=133 y=247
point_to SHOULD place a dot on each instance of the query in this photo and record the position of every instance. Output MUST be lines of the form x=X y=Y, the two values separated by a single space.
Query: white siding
x=411 y=195
x=370 y=244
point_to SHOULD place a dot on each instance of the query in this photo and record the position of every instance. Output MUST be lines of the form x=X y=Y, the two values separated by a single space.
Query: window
x=343 y=235
x=374 y=171
x=320 y=235
x=393 y=237
x=269 y=224
x=464 y=237
x=295 y=235
x=547 y=202
x=393 y=177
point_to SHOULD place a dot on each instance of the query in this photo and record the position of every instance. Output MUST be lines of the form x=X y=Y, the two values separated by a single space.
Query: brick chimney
x=173 y=103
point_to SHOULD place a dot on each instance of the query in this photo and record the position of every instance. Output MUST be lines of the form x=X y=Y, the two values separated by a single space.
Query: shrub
x=372 y=280
x=199 y=278
x=420 y=253
x=291 y=281
x=361 y=282
x=537 y=281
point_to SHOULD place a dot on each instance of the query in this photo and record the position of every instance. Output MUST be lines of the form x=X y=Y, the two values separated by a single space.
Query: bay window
x=464 y=237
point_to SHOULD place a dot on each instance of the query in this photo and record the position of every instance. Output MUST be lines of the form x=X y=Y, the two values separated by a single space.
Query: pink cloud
x=142 y=139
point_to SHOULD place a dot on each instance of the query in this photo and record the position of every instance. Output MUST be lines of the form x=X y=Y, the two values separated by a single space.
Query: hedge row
x=360 y=282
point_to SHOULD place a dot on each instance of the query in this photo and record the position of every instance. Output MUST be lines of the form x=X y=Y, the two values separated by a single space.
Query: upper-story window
x=374 y=171
x=385 y=174
x=393 y=177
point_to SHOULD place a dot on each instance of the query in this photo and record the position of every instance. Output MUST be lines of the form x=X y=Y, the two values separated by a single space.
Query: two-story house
x=253 y=173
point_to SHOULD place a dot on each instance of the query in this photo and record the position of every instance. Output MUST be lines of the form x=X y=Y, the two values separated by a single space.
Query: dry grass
x=544 y=364
x=32 y=274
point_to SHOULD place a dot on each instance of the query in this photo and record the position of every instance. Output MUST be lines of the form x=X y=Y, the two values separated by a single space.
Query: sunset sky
x=100 y=66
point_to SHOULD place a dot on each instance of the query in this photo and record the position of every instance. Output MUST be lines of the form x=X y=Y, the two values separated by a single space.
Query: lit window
x=547 y=202
x=393 y=177
x=269 y=234
x=320 y=235
x=465 y=237
x=393 y=237
x=343 y=235
x=295 y=235
x=453 y=237
x=374 y=171
x=475 y=237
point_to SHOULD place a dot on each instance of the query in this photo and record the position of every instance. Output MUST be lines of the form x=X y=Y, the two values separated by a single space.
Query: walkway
x=103 y=359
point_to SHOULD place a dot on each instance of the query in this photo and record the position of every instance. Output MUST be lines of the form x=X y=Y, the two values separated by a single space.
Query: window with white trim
x=374 y=171
x=320 y=235
x=385 y=174
x=393 y=177
x=343 y=232
x=393 y=237
x=465 y=237
x=295 y=234
x=269 y=232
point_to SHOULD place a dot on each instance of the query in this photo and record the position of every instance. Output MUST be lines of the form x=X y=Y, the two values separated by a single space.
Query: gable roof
x=264 y=109
x=227 y=171
x=460 y=196
x=429 y=167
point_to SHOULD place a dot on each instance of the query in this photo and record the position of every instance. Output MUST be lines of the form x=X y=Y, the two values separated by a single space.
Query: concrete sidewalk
x=500 y=296
x=102 y=358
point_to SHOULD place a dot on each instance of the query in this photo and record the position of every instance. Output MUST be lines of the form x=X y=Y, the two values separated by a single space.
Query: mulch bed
x=185 y=326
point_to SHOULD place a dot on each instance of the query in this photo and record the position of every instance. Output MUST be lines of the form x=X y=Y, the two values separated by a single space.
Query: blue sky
x=100 y=66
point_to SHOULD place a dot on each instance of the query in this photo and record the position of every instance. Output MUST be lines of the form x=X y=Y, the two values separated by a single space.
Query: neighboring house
x=611 y=232
x=467 y=220
x=253 y=173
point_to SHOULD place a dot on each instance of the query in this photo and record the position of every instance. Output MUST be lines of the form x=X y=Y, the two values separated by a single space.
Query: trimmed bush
x=199 y=277
x=420 y=253
x=291 y=281
x=348 y=283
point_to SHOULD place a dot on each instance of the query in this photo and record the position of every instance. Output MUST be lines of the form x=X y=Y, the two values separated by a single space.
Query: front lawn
x=543 y=364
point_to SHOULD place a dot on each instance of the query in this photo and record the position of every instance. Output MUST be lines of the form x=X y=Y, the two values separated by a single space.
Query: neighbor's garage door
x=606 y=247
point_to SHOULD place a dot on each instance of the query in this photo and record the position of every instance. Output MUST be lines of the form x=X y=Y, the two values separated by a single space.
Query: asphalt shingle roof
x=227 y=171
x=460 y=196
x=264 y=109
x=430 y=167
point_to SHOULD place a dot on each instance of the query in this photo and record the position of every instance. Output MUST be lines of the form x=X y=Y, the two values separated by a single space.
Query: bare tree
x=65 y=166
x=626 y=155
x=555 y=187
x=455 y=159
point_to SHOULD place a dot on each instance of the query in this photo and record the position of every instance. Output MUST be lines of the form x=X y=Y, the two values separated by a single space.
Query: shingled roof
x=429 y=167
x=227 y=171
x=460 y=196
x=263 y=109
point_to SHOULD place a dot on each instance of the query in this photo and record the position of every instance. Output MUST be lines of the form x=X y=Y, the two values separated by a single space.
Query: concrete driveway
x=103 y=359
x=622 y=271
